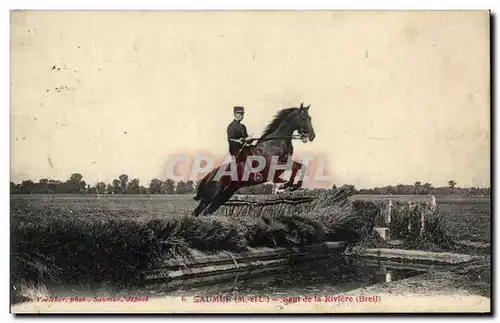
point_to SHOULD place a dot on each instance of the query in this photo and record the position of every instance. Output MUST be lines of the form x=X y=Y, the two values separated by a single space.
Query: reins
x=266 y=139
x=274 y=138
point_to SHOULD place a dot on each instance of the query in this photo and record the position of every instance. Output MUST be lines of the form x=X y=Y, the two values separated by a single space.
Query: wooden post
x=388 y=217
x=384 y=231
x=433 y=203
x=409 y=218
x=388 y=276
x=422 y=222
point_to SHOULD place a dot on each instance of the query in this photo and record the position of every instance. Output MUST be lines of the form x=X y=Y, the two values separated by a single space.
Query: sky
x=396 y=97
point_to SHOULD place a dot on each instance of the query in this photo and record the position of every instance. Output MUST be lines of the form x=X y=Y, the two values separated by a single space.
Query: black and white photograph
x=250 y=161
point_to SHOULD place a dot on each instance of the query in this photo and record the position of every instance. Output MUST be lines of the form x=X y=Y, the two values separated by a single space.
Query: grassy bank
x=54 y=244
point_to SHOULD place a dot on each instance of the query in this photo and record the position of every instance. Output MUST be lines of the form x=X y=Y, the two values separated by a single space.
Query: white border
x=255 y=4
x=189 y=5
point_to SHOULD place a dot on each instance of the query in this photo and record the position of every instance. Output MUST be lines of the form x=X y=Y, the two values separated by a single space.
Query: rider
x=237 y=134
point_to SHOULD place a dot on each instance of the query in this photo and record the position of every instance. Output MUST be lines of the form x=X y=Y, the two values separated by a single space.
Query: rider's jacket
x=235 y=130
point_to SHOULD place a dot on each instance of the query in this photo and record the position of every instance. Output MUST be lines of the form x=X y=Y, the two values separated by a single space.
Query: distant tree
x=59 y=186
x=27 y=187
x=391 y=190
x=133 y=186
x=163 y=188
x=452 y=184
x=116 y=186
x=75 y=184
x=169 y=186
x=417 y=186
x=109 y=189
x=189 y=187
x=155 y=186
x=123 y=183
x=72 y=185
x=52 y=186
x=13 y=188
x=76 y=178
x=143 y=190
x=180 y=188
x=426 y=188
x=42 y=186
x=100 y=188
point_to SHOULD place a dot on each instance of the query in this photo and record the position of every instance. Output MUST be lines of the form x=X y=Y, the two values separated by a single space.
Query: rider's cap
x=238 y=109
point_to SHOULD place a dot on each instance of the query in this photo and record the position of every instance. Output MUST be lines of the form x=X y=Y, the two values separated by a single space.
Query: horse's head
x=289 y=120
x=304 y=122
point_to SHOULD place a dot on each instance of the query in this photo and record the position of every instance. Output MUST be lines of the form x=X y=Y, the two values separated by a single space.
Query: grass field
x=465 y=218
x=83 y=239
x=79 y=239
x=128 y=205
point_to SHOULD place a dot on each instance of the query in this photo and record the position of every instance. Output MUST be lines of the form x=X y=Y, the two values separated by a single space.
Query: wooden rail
x=222 y=265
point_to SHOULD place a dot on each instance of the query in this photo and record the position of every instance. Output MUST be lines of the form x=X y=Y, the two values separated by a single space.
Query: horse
x=276 y=140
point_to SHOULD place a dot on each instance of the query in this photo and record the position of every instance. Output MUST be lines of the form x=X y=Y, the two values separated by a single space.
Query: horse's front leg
x=277 y=177
x=295 y=168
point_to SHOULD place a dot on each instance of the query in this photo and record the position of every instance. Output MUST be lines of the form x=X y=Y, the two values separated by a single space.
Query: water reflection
x=331 y=276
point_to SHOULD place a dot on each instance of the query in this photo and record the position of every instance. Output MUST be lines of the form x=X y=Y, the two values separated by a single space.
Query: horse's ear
x=301 y=105
x=307 y=108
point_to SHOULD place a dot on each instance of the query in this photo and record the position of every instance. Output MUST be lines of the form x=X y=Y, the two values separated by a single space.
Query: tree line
x=426 y=189
x=121 y=185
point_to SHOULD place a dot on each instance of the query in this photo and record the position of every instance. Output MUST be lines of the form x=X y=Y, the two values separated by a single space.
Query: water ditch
x=317 y=272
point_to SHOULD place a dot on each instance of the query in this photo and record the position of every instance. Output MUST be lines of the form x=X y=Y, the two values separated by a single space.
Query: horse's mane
x=274 y=124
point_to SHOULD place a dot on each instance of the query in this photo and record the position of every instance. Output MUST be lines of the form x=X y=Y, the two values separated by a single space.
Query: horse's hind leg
x=206 y=194
x=202 y=206
x=219 y=200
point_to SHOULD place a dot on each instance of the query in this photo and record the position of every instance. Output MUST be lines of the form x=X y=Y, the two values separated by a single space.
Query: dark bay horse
x=276 y=141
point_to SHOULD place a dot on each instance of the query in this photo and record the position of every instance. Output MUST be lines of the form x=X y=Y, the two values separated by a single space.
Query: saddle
x=241 y=157
x=247 y=150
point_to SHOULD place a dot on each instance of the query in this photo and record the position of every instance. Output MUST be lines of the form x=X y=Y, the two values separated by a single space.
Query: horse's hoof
x=258 y=178
x=294 y=187
x=284 y=186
